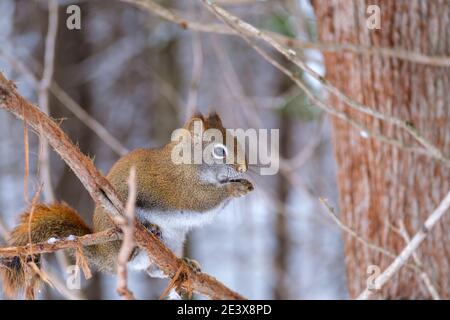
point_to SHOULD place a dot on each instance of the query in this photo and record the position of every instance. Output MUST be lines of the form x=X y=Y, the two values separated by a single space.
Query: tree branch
x=410 y=248
x=43 y=96
x=103 y=193
x=128 y=241
x=416 y=266
x=69 y=103
x=108 y=235
x=4 y=234
x=336 y=113
x=175 y=17
x=425 y=277
x=247 y=30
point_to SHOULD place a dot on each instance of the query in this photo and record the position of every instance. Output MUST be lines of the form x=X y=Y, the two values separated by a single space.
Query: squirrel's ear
x=196 y=120
x=214 y=121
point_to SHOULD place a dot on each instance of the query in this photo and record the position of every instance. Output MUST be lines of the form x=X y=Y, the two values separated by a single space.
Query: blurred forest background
x=139 y=76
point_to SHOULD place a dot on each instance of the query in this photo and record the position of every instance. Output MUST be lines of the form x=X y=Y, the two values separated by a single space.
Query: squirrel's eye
x=219 y=151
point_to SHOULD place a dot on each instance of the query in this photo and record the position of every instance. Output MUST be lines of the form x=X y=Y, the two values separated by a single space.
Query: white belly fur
x=174 y=227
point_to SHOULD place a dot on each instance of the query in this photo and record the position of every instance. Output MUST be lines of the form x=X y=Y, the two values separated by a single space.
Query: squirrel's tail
x=41 y=223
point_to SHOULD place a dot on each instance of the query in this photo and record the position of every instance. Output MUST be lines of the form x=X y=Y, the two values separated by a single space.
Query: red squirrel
x=171 y=199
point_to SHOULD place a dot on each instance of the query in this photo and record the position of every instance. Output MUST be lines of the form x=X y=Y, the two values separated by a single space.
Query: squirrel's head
x=215 y=152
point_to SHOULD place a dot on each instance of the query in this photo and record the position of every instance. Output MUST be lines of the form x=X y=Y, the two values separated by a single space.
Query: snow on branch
x=104 y=194
x=54 y=244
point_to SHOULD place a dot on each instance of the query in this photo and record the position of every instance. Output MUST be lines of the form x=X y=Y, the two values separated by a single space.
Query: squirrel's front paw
x=240 y=187
x=153 y=228
x=193 y=264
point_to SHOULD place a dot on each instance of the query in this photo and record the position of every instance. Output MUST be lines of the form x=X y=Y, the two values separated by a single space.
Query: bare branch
x=175 y=17
x=237 y=2
x=353 y=233
x=103 y=193
x=52 y=276
x=70 y=104
x=409 y=249
x=88 y=120
x=112 y=234
x=4 y=234
x=61 y=287
x=416 y=266
x=128 y=241
x=197 y=56
x=233 y=82
x=425 y=277
x=308 y=151
x=43 y=96
x=44 y=151
x=336 y=113
x=247 y=30
x=27 y=160
x=413 y=266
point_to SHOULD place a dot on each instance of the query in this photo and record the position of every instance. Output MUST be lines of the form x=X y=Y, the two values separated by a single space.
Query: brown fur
x=57 y=220
x=161 y=185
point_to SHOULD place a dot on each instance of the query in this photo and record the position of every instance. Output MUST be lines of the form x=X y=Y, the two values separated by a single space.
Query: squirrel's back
x=175 y=197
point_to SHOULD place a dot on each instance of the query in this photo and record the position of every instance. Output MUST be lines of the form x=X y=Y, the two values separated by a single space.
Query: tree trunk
x=380 y=185
x=281 y=288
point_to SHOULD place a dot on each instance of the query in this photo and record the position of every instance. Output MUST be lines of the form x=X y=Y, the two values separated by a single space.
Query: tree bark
x=380 y=185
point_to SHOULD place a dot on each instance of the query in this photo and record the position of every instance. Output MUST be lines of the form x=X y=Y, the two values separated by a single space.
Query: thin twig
x=234 y=84
x=238 y=2
x=425 y=277
x=4 y=234
x=43 y=96
x=26 y=146
x=416 y=266
x=44 y=102
x=308 y=151
x=128 y=244
x=330 y=210
x=60 y=256
x=175 y=17
x=409 y=249
x=107 y=235
x=102 y=191
x=69 y=103
x=88 y=120
x=82 y=262
x=52 y=276
x=353 y=233
x=41 y=273
x=334 y=112
x=61 y=287
x=172 y=284
x=247 y=30
x=34 y=202
x=197 y=68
